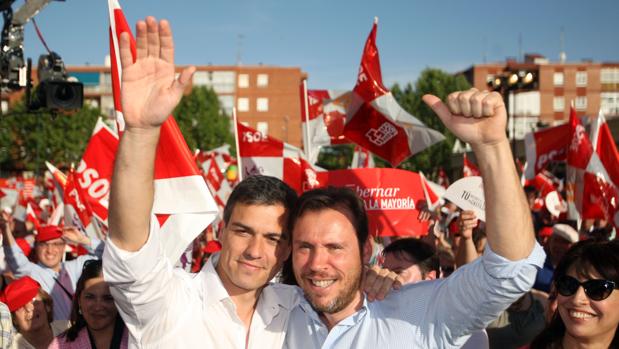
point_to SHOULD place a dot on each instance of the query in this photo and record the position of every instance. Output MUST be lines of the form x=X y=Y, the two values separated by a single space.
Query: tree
x=440 y=84
x=28 y=139
x=201 y=120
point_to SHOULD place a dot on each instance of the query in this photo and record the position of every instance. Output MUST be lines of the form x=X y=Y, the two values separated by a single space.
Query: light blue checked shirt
x=433 y=314
x=69 y=273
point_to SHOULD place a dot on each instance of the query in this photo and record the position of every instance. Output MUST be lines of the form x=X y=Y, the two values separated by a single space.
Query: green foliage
x=335 y=157
x=440 y=84
x=28 y=139
x=201 y=120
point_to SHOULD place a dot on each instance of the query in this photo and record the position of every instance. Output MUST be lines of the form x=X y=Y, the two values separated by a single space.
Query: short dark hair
x=333 y=198
x=416 y=251
x=260 y=190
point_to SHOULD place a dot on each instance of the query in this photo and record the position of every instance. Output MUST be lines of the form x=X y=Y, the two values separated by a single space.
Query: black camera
x=54 y=91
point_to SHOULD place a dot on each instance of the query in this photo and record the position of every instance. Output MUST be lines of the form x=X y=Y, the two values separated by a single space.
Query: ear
x=367 y=251
x=431 y=275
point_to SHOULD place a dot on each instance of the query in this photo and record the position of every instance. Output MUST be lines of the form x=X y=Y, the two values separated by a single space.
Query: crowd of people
x=290 y=271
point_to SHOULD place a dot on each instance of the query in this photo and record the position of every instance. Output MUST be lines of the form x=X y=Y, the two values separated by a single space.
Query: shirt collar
x=213 y=287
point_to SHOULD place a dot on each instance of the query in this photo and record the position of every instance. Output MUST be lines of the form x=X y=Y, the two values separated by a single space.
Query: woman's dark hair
x=93 y=268
x=584 y=256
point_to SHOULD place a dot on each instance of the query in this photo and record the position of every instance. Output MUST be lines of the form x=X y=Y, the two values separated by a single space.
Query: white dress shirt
x=166 y=307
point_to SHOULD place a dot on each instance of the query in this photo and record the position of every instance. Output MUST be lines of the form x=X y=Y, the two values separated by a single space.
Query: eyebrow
x=280 y=235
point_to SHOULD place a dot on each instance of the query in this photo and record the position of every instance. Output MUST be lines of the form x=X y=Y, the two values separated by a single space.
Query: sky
x=326 y=38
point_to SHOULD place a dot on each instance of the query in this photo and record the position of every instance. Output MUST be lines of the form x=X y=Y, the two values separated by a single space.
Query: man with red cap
x=56 y=277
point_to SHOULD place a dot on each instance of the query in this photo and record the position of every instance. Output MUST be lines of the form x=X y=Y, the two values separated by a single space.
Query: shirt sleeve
x=96 y=247
x=148 y=291
x=473 y=296
x=19 y=264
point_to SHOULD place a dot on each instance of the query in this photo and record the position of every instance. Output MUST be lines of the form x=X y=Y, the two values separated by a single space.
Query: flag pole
x=308 y=150
x=239 y=160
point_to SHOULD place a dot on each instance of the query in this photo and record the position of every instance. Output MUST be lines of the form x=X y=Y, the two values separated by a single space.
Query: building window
x=581 y=103
x=609 y=76
x=262 y=80
x=609 y=103
x=243 y=80
x=263 y=128
x=558 y=104
x=243 y=104
x=581 y=78
x=557 y=78
x=262 y=104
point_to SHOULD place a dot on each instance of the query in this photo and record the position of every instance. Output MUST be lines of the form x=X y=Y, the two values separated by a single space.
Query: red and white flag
x=31 y=216
x=376 y=121
x=433 y=192
x=59 y=181
x=604 y=145
x=323 y=115
x=468 y=168
x=264 y=155
x=182 y=203
x=78 y=212
x=545 y=146
x=590 y=189
x=362 y=158
x=94 y=172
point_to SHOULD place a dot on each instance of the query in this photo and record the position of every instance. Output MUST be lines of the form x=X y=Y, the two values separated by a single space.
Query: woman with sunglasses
x=586 y=281
x=95 y=322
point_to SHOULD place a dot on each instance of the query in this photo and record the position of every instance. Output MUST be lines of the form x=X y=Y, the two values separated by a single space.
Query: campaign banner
x=468 y=194
x=392 y=198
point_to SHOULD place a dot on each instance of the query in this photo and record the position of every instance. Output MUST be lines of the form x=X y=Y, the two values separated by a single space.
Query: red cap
x=24 y=245
x=545 y=232
x=212 y=247
x=48 y=232
x=19 y=292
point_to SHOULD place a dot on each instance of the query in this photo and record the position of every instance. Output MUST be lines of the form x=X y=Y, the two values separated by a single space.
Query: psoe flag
x=183 y=204
x=376 y=121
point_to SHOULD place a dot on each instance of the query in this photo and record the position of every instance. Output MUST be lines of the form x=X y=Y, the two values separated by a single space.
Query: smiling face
x=50 y=253
x=97 y=304
x=254 y=247
x=327 y=261
x=32 y=316
x=585 y=319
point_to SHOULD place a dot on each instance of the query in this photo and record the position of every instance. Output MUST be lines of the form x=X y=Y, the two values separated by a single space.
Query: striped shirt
x=431 y=314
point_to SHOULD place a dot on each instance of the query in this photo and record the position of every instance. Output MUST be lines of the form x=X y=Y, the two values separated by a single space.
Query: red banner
x=391 y=198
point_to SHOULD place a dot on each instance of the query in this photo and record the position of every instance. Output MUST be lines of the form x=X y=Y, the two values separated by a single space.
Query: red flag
x=545 y=146
x=376 y=121
x=32 y=217
x=265 y=155
x=95 y=169
x=391 y=197
x=468 y=168
x=604 y=145
x=75 y=198
x=182 y=200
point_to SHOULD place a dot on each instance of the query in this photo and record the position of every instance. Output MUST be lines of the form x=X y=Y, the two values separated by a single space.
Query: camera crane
x=54 y=91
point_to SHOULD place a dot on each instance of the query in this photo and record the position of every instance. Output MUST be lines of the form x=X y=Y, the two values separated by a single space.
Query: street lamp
x=509 y=82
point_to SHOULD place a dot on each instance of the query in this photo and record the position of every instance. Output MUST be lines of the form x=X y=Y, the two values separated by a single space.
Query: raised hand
x=150 y=91
x=476 y=117
x=467 y=221
x=72 y=235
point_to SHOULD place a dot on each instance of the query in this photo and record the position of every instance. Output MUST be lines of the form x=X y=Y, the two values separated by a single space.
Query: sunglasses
x=596 y=290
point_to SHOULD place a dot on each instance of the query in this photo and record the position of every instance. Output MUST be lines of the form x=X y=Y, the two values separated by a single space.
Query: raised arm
x=466 y=252
x=17 y=261
x=149 y=93
x=479 y=118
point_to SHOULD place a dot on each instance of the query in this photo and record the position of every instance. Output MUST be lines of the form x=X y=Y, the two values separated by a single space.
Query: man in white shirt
x=230 y=303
